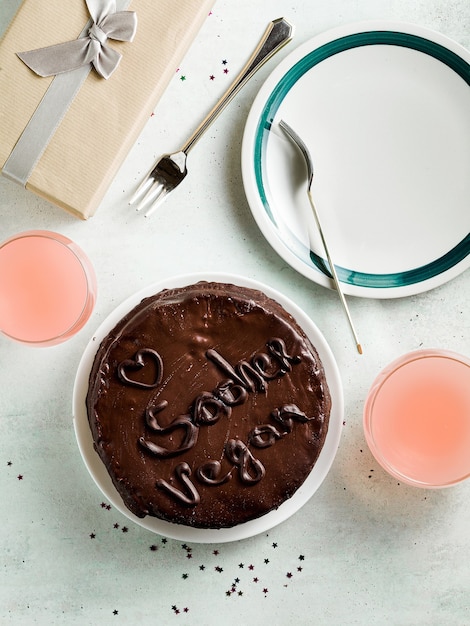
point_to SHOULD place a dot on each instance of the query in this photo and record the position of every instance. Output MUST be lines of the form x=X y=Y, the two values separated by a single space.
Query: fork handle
x=278 y=33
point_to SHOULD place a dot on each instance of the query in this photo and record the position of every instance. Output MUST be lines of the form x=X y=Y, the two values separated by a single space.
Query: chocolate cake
x=208 y=405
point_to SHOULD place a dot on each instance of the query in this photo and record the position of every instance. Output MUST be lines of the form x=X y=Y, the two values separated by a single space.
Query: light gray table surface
x=365 y=549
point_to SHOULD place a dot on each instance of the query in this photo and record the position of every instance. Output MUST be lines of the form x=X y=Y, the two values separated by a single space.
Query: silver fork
x=170 y=170
x=294 y=137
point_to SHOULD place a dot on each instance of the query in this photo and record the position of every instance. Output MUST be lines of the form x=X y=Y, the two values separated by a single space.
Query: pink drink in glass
x=47 y=288
x=417 y=418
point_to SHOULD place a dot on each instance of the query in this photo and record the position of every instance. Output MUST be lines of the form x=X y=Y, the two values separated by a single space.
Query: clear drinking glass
x=417 y=418
x=47 y=288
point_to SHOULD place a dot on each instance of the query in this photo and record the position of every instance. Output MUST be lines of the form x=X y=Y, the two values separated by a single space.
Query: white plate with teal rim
x=384 y=109
x=264 y=523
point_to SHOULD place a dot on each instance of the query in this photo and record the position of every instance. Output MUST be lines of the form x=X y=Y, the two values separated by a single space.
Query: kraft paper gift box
x=106 y=115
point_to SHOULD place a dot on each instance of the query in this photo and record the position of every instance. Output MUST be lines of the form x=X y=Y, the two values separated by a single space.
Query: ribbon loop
x=92 y=47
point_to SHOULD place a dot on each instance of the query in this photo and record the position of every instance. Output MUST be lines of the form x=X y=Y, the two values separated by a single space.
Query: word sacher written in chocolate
x=208 y=408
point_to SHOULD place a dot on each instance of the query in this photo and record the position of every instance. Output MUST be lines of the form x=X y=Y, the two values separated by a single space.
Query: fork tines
x=167 y=174
x=147 y=193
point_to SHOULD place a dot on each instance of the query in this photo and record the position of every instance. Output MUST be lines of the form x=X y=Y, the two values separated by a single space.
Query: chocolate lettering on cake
x=250 y=469
x=182 y=422
x=209 y=473
x=208 y=408
x=263 y=367
x=266 y=435
x=189 y=496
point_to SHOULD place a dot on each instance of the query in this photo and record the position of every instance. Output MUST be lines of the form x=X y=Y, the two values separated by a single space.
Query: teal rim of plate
x=360 y=279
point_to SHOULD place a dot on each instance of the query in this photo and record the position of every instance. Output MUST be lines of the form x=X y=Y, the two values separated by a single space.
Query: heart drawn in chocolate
x=146 y=357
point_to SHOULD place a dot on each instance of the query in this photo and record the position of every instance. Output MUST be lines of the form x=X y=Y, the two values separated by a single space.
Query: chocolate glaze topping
x=208 y=405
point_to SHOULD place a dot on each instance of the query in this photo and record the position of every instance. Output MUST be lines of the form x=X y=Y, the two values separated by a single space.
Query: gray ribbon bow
x=90 y=47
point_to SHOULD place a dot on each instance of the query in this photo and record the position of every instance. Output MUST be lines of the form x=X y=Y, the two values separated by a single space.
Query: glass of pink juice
x=47 y=288
x=417 y=418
